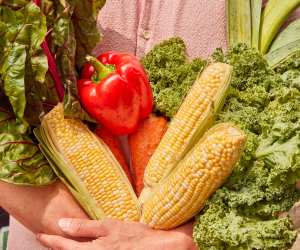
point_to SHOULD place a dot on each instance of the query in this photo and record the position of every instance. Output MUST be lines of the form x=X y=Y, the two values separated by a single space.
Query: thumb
x=82 y=228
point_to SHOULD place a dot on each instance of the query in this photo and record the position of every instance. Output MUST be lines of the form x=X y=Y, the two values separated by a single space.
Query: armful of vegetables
x=94 y=176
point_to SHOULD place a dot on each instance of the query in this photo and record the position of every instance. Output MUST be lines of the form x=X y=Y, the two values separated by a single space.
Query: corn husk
x=278 y=56
x=273 y=17
x=290 y=34
x=238 y=15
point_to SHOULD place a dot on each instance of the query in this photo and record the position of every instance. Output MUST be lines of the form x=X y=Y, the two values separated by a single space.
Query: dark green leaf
x=23 y=32
x=15 y=3
x=39 y=66
x=13 y=72
x=85 y=23
x=21 y=161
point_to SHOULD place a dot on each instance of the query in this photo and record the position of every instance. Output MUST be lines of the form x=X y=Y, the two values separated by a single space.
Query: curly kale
x=243 y=214
x=171 y=74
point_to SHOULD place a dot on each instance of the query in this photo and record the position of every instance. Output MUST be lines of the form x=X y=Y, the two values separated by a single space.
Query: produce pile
x=218 y=139
x=243 y=214
x=263 y=100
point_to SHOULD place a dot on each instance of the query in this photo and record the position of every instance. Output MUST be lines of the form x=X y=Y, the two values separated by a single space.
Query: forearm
x=39 y=208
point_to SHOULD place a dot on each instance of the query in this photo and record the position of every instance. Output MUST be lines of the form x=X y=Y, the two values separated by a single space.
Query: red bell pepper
x=114 y=89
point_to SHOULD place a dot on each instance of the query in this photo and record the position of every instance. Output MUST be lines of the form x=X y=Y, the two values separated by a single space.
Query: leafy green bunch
x=42 y=46
x=243 y=214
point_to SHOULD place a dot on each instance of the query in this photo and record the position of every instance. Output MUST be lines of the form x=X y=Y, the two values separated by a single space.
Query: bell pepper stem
x=101 y=70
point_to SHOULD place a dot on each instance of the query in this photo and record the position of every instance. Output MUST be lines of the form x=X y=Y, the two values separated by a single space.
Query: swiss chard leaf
x=74 y=36
x=22 y=34
x=13 y=75
x=21 y=161
x=85 y=23
x=15 y=3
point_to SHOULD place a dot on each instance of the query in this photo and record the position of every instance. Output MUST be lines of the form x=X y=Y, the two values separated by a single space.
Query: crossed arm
x=41 y=208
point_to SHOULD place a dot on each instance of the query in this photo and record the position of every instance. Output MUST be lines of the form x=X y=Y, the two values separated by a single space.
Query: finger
x=58 y=242
x=83 y=228
x=114 y=226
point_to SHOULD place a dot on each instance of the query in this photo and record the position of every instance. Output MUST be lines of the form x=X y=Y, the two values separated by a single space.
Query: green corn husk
x=87 y=167
x=256 y=6
x=238 y=15
x=273 y=17
x=67 y=176
x=290 y=34
x=278 y=56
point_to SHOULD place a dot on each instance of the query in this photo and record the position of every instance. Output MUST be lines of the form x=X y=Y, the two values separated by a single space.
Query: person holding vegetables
x=132 y=26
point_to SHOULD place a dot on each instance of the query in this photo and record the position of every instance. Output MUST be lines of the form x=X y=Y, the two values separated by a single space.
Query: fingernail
x=64 y=224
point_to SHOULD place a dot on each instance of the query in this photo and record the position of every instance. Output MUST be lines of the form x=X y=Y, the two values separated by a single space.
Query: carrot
x=142 y=144
x=114 y=145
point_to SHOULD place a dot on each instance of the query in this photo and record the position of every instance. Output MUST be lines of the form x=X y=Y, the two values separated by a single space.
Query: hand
x=40 y=208
x=116 y=235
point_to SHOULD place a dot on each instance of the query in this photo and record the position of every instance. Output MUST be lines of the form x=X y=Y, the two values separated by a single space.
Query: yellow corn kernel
x=94 y=164
x=194 y=116
x=203 y=170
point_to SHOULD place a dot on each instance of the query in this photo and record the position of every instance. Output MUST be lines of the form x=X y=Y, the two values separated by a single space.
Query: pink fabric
x=21 y=238
x=136 y=25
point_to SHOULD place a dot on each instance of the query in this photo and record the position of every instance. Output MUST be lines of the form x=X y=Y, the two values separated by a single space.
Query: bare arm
x=39 y=208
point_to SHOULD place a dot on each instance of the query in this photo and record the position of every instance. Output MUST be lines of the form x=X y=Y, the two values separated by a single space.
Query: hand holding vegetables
x=115 y=90
x=116 y=235
x=95 y=178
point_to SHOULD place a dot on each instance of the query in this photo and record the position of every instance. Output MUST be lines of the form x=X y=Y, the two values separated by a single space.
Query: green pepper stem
x=101 y=71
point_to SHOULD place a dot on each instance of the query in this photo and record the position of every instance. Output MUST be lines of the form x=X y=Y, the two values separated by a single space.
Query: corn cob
x=194 y=116
x=89 y=167
x=204 y=169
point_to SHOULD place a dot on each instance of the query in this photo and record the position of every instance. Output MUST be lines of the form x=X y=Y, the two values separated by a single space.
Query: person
x=133 y=26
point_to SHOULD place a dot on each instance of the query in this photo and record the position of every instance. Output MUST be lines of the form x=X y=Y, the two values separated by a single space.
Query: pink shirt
x=135 y=26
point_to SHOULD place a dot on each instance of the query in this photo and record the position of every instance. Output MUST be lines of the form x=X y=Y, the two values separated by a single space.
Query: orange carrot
x=142 y=144
x=114 y=145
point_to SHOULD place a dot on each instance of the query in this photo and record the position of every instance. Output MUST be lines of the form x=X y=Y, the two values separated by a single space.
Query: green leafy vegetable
x=86 y=32
x=74 y=35
x=20 y=158
x=243 y=214
x=64 y=29
x=229 y=230
x=171 y=74
x=22 y=34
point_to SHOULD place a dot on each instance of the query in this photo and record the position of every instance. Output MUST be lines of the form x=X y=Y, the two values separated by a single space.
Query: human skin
x=40 y=208
x=116 y=235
